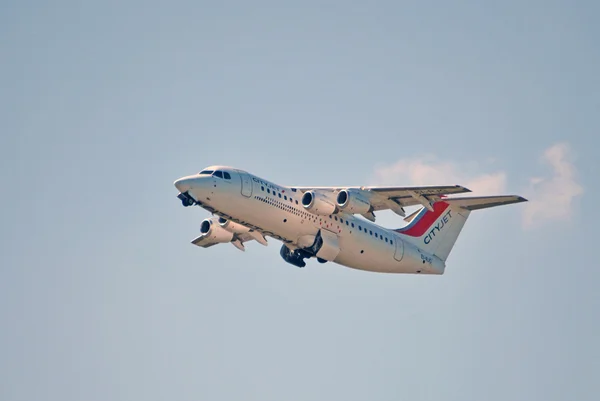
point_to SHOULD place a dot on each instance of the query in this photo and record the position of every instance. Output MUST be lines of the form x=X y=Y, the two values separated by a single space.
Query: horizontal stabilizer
x=483 y=202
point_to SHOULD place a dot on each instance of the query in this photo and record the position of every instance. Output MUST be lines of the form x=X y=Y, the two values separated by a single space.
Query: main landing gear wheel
x=295 y=257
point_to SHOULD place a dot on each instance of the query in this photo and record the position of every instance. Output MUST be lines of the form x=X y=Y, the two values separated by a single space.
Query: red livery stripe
x=424 y=221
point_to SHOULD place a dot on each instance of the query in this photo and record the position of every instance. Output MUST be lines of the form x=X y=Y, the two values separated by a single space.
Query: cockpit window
x=226 y=175
x=206 y=172
x=218 y=174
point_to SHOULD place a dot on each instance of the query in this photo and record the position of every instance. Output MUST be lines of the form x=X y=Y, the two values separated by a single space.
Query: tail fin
x=436 y=231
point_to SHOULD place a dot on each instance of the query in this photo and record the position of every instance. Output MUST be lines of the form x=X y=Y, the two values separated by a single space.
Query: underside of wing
x=410 y=196
x=238 y=241
x=204 y=241
x=387 y=198
x=218 y=230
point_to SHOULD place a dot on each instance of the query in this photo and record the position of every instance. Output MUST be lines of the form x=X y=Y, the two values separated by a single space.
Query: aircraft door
x=246 y=184
x=399 y=252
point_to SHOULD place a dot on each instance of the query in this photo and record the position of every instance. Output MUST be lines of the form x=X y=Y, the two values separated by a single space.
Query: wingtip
x=518 y=199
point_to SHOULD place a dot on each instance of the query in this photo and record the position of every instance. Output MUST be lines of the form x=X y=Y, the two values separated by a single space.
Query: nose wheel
x=186 y=199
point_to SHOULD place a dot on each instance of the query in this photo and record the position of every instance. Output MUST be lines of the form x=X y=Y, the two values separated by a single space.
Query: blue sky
x=104 y=105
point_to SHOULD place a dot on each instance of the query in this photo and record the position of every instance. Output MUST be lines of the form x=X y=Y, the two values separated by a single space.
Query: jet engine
x=210 y=228
x=232 y=227
x=237 y=228
x=317 y=203
x=353 y=202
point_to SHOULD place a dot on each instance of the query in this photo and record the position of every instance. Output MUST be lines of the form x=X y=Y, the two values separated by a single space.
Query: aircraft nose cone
x=183 y=184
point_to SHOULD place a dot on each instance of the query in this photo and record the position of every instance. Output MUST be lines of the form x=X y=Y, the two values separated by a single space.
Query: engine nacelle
x=232 y=227
x=352 y=202
x=210 y=228
x=317 y=203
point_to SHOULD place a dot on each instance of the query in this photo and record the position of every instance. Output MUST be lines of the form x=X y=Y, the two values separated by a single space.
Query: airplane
x=333 y=224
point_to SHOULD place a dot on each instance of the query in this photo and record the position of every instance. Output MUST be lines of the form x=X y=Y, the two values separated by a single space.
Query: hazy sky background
x=103 y=105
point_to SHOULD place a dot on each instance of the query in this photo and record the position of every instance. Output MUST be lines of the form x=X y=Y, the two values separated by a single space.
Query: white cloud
x=429 y=170
x=551 y=198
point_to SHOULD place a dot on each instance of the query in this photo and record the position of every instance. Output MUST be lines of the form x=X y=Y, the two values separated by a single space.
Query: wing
x=410 y=196
x=238 y=240
x=204 y=241
x=395 y=198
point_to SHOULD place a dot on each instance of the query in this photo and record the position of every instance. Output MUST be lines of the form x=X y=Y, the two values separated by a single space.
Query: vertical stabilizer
x=435 y=231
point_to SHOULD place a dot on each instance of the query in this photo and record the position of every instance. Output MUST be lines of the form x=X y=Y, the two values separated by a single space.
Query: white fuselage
x=277 y=211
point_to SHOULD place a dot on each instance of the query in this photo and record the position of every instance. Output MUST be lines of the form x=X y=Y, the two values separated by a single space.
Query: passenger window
x=359 y=228
x=285 y=197
x=262 y=188
x=341 y=220
x=336 y=218
x=226 y=175
x=386 y=239
x=371 y=232
x=347 y=223
x=391 y=242
x=296 y=201
x=268 y=191
x=352 y=225
x=218 y=174
x=279 y=195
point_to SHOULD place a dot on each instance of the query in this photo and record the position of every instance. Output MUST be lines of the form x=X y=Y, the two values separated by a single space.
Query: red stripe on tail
x=425 y=221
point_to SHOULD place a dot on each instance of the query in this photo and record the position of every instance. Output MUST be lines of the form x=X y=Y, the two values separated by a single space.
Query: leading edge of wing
x=421 y=190
x=424 y=190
